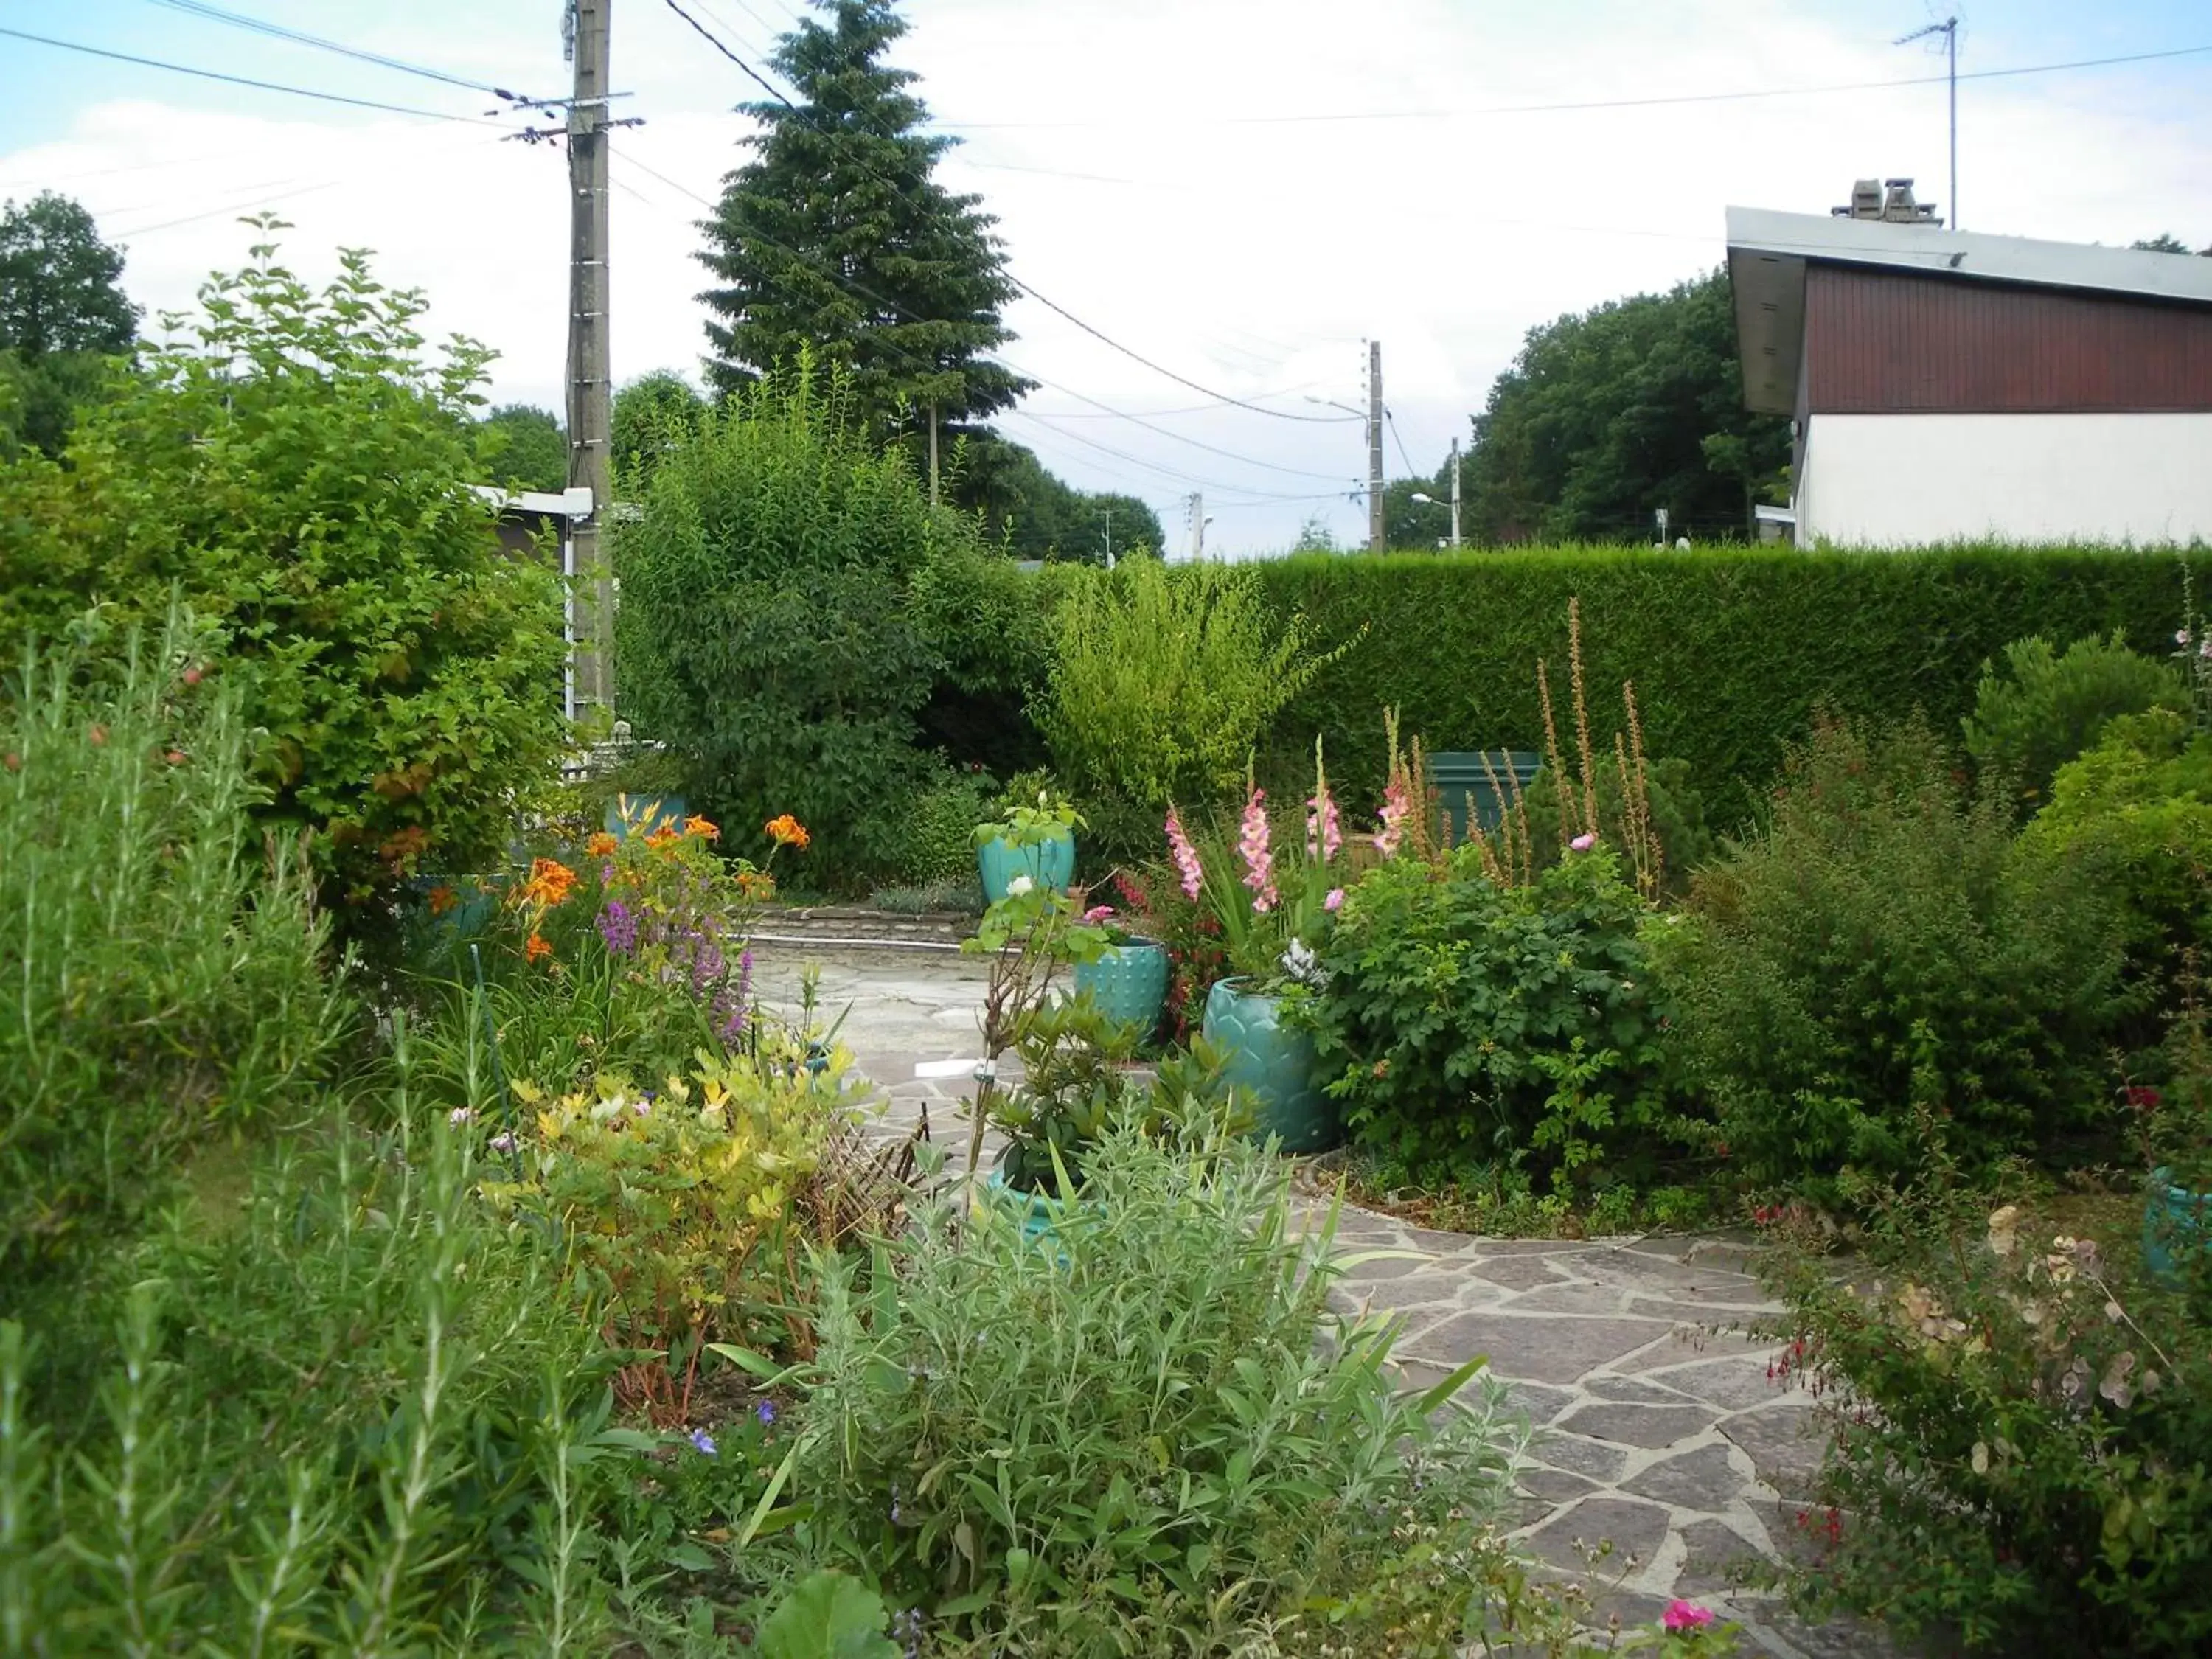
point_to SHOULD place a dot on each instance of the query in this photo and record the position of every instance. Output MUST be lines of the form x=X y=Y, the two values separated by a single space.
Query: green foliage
x=1607 y=415
x=303 y=475
x=1162 y=681
x=163 y=966
x=523 y=447
x=357 y=1406
x=1678 y=817
x=2021 y=1465
x=940 y=835
x=1034 y=515
x=2047 y=708
x=836 y=242
x=2136 y=812
x=827 y=1615
x=1875 y=951
x=1223 y=1470
x=1730 y=650
x=651 y=416
x=768 y=632
x=62 y=313
x=1467 y=1026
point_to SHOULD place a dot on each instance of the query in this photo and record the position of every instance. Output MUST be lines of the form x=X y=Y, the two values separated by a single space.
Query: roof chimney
x=1889 y=200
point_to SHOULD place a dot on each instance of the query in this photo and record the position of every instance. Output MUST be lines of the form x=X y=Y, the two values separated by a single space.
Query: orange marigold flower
x=443 y=899
x=535 y=949
x=697 y=825
x=786 y=830
x=602 y=846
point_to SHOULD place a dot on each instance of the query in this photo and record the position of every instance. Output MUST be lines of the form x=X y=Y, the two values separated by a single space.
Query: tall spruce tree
x=837 y=239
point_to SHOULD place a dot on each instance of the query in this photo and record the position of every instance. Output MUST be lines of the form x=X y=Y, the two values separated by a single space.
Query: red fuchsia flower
x=2140 y=1098
x=1186 y=857
x=1334 y=901
x=1685 y=1615
x=1258 y=861
x=1397 y=804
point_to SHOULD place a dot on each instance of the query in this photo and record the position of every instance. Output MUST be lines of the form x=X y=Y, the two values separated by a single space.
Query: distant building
x=1948 y=385
x=536 y=524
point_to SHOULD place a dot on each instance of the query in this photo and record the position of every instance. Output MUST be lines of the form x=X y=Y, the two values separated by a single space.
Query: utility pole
x=1374 y=446
x=1948 y=28
x=1108 y=512
x=1197 y=526
x=588 y=357
x=1455 y=467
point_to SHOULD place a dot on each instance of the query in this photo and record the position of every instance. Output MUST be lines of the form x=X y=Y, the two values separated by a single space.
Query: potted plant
x=1128 y=980
x=2176 y=1123
x=1271 y=909
x=1033 y=836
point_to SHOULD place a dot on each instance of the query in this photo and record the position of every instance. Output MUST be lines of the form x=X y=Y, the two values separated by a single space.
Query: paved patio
x=1658 y=1428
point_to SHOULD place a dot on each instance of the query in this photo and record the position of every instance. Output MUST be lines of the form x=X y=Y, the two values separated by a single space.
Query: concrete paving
x=1658 y=1426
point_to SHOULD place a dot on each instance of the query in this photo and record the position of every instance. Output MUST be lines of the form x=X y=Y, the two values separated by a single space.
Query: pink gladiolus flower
x=1583 y=843
x=1397 y=804
x=1186 y=857
x=1334 y=901
x=1685 y=1615
x=1324 y=827
x=1097 y=914
x=1258 y=861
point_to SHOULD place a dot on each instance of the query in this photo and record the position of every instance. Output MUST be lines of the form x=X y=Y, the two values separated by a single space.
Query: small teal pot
x=1275 y=1065
x=2177 y=1222
x=1050 y=863
x=1040 y=1212
x=1128 y=982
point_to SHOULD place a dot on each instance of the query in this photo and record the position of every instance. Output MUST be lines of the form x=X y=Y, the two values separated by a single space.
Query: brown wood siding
x=1879 y=342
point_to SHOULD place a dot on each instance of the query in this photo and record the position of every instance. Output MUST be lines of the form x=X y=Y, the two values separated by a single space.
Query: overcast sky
x=1241 y=191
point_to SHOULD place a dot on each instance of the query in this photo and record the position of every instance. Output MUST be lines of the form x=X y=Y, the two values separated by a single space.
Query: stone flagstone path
x=1657 y=1428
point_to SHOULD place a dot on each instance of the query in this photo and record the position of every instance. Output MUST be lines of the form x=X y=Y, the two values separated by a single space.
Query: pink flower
x=1186 y=857
x=1685 y=1615
x=1324 y=827
x=1397 y=802
x=1334 y=901
x=1097 y=914
x=1582 y=844
x=1258 y=861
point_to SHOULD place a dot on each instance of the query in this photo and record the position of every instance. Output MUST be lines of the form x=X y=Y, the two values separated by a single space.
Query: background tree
x=2167 y=242
x=840 y=205
x=1021 y=505
x=62 y=312
x=1610 y=414
x=652 y=413
x=520 y=444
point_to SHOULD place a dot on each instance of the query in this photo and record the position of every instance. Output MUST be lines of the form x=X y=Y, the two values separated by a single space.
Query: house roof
x=1768 y=253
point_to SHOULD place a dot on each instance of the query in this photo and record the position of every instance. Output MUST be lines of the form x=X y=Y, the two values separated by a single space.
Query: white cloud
x=1141 y=187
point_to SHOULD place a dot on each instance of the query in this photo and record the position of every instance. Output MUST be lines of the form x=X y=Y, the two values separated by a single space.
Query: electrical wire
x=1045 y=300
x=278 y=32
x=1391 y=421
x=1654 y=101
x=244 y=81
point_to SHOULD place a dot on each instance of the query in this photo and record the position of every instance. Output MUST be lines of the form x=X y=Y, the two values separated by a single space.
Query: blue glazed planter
x=1275 y=1065
x=2176 y=1222
x=1129 y=983
x=1049 y=864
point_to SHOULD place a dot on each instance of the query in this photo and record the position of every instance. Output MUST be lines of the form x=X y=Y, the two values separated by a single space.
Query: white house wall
x=1899 y=480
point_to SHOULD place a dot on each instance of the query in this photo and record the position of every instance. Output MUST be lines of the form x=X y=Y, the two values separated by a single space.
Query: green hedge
x=1730 y=649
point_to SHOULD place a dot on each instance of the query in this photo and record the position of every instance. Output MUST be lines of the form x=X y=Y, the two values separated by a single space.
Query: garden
x=419 y=1233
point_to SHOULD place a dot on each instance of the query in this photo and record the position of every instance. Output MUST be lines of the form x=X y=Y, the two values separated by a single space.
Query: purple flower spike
x=766 y=1411
x=703 y=1441
x=618 y=927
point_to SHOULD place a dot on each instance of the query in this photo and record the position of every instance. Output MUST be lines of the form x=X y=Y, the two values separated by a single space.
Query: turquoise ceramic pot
x=1274 y=1064
x=1128 y=982
x=1050 y=863
x=2177 y=1222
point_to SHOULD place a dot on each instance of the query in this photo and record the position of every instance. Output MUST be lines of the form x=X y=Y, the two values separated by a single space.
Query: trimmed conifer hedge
x=1730 y=649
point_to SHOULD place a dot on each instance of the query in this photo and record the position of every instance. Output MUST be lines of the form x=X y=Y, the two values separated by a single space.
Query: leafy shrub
x=2022 y=1427
x=940 y=835
x=2136 y=811
x=163 y=966
x=358 y=1407
x=1876 y=947
x=1162 y=681
x=303 y=475
x=2048 y=708
x=768 y=633
x=1223 y=1470
x=1464 y=1024
x=1731 y=648
x=1677 y=815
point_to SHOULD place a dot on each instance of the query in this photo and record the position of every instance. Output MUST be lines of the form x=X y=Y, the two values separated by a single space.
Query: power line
x=244 y=81
x=1391 y=421
x=278 y=31
x=1653 y=102
x=862 y=290
x=1049 y=304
